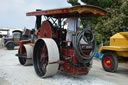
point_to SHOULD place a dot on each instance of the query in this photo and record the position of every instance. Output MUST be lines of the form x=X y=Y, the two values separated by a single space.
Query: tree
x=114 y=22
x=73 y=2
x=101 y=3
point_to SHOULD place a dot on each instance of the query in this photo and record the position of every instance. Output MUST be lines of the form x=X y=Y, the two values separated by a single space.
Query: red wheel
x=44 y=58
x=110 y=62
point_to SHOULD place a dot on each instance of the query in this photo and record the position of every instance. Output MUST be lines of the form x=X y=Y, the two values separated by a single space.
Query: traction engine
x=50 y=52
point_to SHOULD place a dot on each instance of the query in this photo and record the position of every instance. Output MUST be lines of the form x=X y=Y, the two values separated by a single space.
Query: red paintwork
x=44 y=55
x=45 y=30
x=22 y=43
x=67 y=67
x=108 y=58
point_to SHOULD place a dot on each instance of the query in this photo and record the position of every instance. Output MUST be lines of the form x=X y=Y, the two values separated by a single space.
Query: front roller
x=45 y=54
x=25 y=58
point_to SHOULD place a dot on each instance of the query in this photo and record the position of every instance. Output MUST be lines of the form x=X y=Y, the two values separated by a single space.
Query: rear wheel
x=110 y=62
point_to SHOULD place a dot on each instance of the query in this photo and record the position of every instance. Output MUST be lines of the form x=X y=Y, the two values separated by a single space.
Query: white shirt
x=3 y=38
x=72 y=24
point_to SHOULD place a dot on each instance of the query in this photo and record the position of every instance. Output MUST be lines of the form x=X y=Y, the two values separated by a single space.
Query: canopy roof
x=83 y=11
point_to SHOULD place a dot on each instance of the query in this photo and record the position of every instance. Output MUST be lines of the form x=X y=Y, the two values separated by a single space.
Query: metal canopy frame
x=56 y=16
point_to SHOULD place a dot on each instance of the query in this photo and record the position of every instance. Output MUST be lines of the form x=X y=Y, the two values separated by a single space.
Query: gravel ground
x=12 y=73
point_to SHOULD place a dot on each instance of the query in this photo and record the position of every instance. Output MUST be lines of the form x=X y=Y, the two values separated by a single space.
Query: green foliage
x=115 y=21
x=73 y=2
x=101 y=3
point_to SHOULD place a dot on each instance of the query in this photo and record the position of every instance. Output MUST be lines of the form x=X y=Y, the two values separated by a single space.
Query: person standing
x=72 y=26
x=3 y=40
x=32 y=35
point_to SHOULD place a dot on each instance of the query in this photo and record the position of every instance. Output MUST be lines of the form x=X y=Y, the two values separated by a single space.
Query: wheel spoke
x=44 y=67
x=43 y=58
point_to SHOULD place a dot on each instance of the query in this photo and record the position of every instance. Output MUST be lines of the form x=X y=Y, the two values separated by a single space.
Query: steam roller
x=50 y=52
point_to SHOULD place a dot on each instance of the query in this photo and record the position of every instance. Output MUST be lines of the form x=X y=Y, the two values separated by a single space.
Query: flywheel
x=45 y=54
x=46 y=30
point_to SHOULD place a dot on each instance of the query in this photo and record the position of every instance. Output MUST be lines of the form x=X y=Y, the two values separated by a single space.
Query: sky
x=13 y=12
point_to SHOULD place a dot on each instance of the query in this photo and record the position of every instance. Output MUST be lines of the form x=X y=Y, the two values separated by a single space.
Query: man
x=3 y=40
x=32 y=35
x=72 y=26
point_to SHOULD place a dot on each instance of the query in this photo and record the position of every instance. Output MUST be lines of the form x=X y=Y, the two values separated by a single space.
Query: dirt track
x=12 y=73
